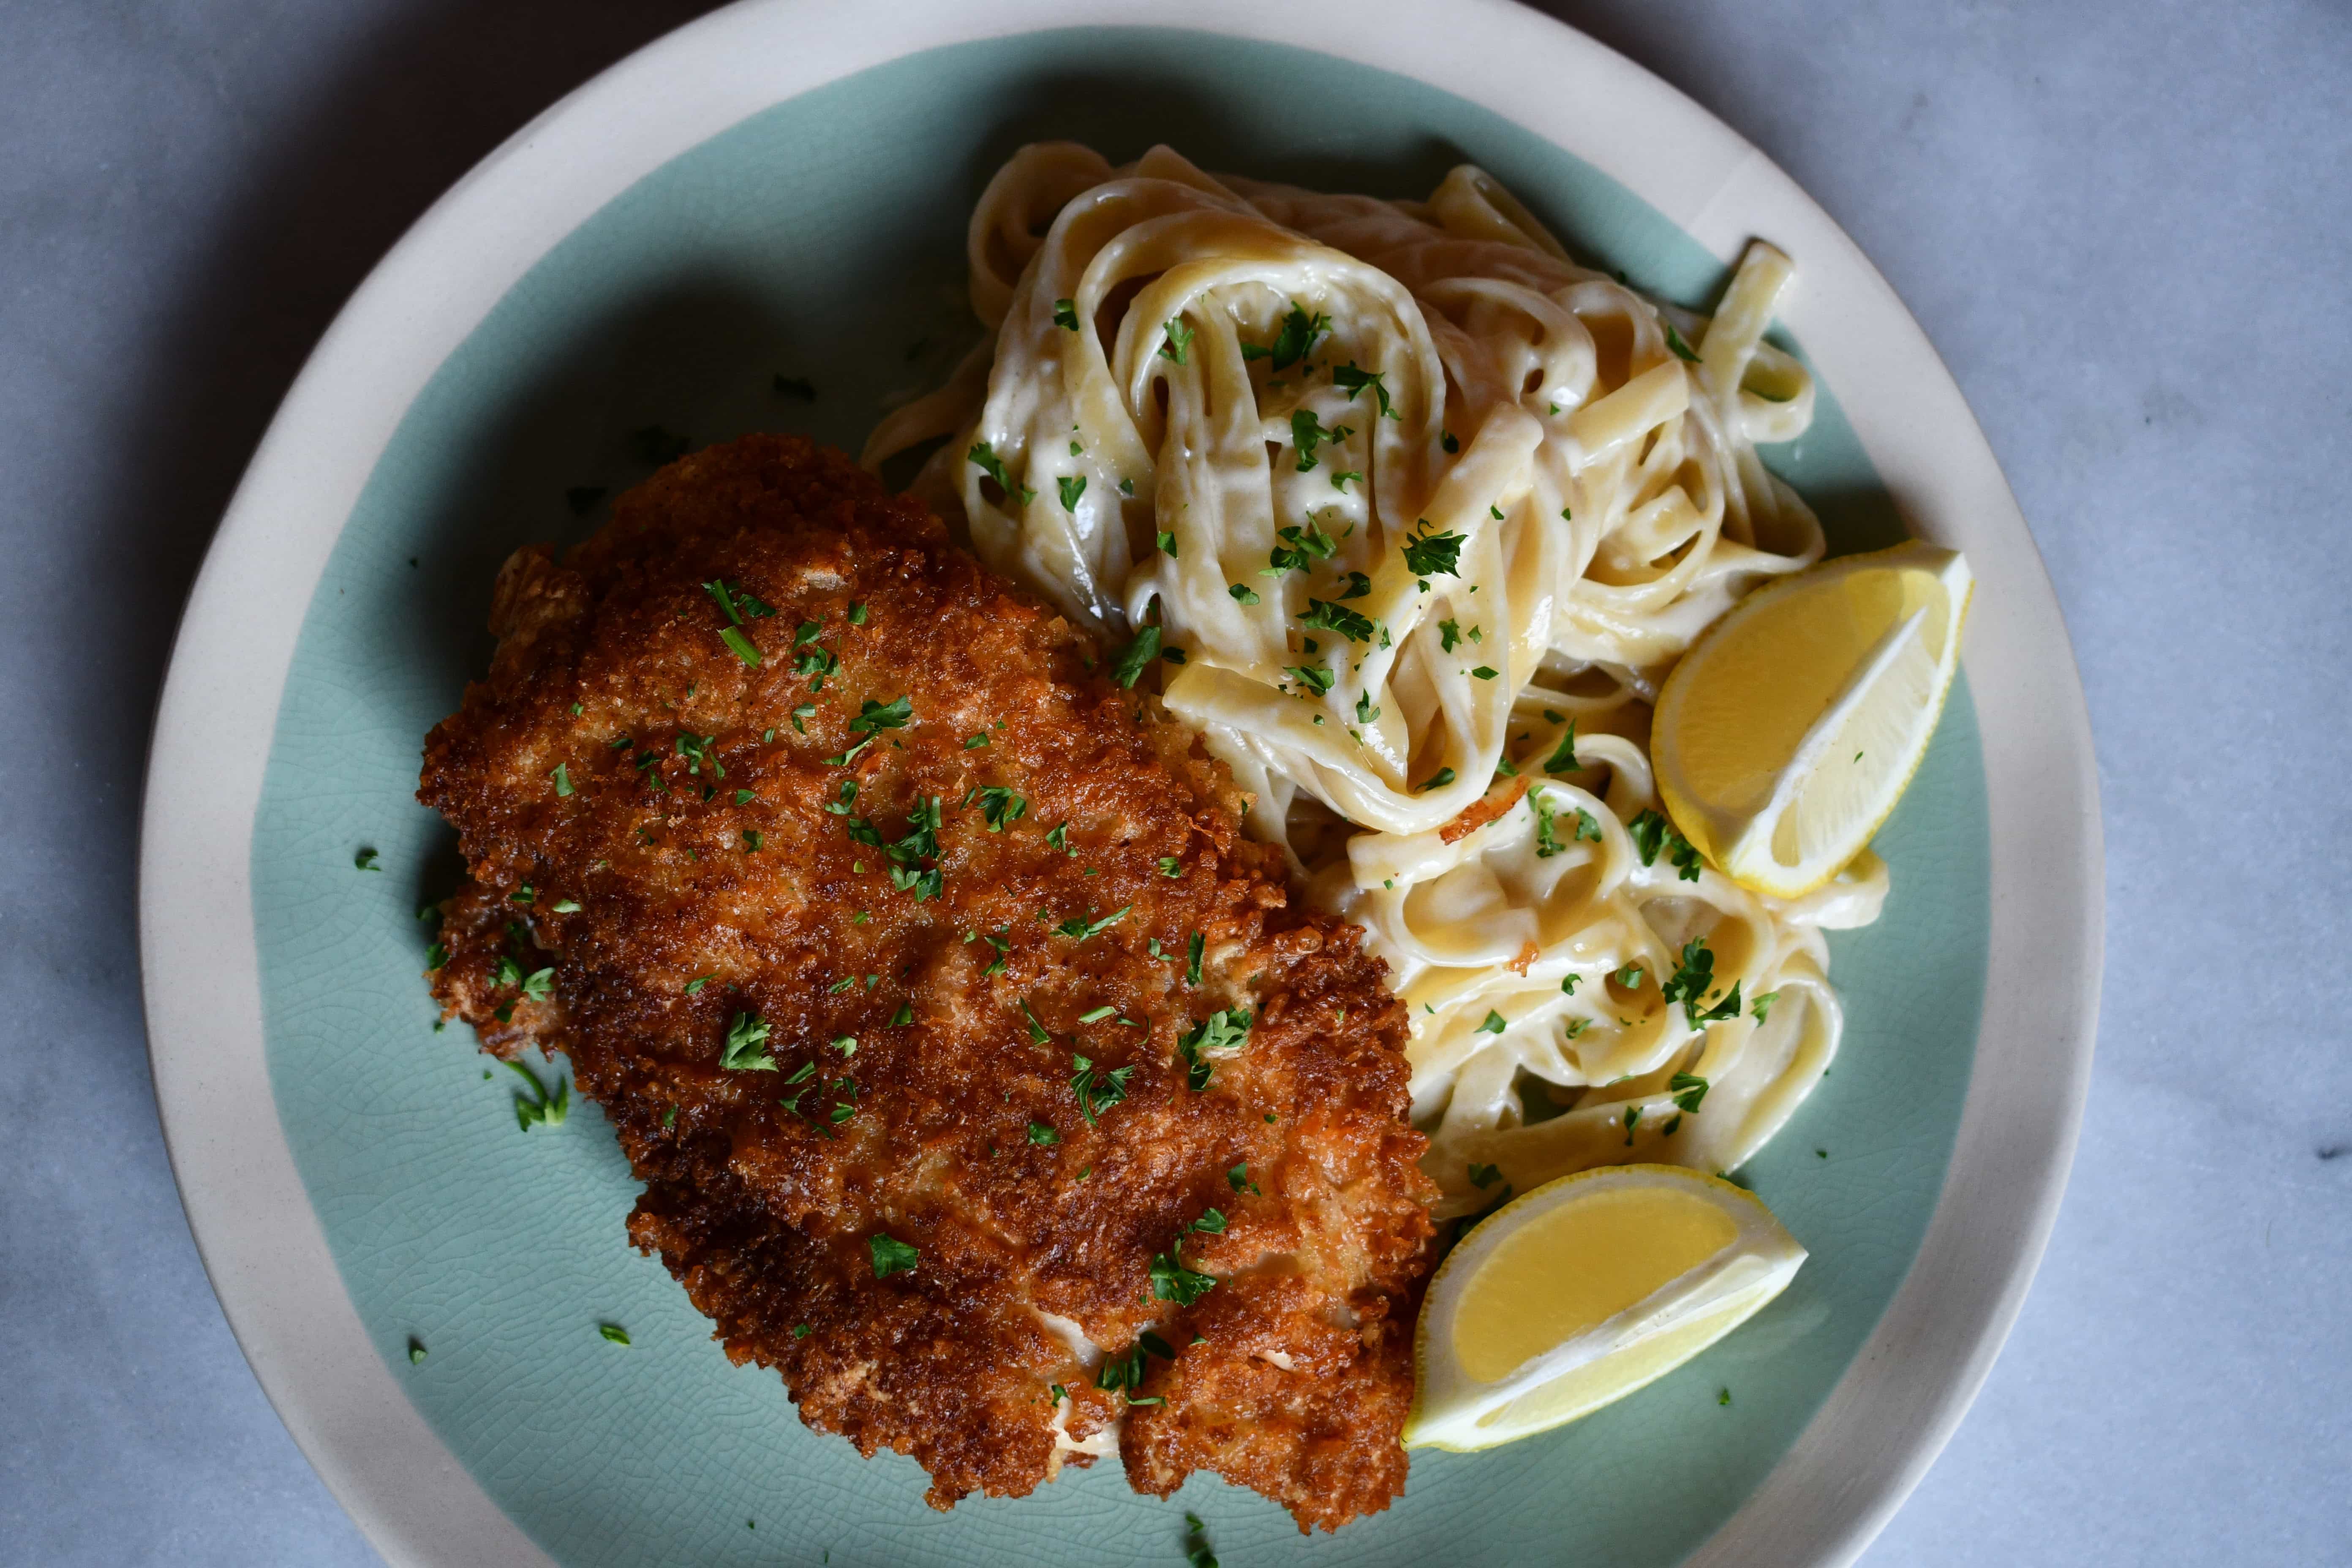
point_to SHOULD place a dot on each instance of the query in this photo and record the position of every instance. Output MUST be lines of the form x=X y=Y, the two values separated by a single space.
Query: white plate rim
x=1900 y=1399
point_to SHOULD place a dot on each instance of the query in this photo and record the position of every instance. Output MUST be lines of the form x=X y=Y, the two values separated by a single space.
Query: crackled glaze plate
x=780 y=189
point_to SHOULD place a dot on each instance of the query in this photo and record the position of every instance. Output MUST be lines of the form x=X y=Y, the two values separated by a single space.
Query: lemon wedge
x=1582 y=1291
x=1787 y=733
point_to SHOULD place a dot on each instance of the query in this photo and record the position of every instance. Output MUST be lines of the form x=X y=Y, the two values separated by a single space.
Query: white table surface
x=2127 y=227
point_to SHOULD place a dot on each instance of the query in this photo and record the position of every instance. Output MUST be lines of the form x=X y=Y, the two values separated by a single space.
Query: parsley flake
x=747 y=1039
x=1097 y=1092
x=1433 y=554
x=1220 y=1034
x=985 y=457
x=1353 y=624
x=1650 y=832
x=1136 y=655
x=891 y=1256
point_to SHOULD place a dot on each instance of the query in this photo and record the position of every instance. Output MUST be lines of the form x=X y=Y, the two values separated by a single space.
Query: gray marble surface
x=2126 y=229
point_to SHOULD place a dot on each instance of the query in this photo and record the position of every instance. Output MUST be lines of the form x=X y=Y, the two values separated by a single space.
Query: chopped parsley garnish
x=1449 y=633
x=998 y=806
x=1003 y=948
x=542 y=1108
x=1760 y=1008
x=1097 y=1092
x=891 y=1256
x=1167 y=544
x=872 y=717
x=856 y=614
x=1495 y=1025
x=566 y=906
x=1301 y=547
x=1563 y=759
x=1294 y=342
x=1339 y=481
x=1096 y=1014
x=539 y=984
x=1242 y=593
x=1308 y=432
x=1058 y=836
x=1238 y=1178
x=1650 y=832
x=1683 y=351
x=1065 y=314
x=747 y=1040
x=989 y=463
x=1353 y=381
x=903 y=1017
x=848 y=797
x=1169 y=865
x=1036 y=1030
x=613 y=1332
x=1365 y=712
x=437 y=955
x=368 y=861
x=696 y=750
x=562 y=774
x=1433 y=554
x=1313 y=676
x=416 y=1350
x=1043 y=1136
x=1219 y=1033
x=840 y=985
x=1172 y=1281
x=1353 y=624
x=1483 y=672
x=1688 y=1089
x=1196 y=1540
x=751 y=841
x=1136 y=655
x=1071 y=487
x=1177 y=340
x=1485 y=1175
x=1192 y=950
x=1077 y=928
x=1548 y=843
x=1629 y=977
x=1437 y=780
x=922 y=843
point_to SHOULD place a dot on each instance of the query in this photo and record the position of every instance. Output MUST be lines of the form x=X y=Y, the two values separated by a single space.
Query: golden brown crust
x=692 y=808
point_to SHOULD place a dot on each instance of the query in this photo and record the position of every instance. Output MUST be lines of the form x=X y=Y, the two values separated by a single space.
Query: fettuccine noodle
x=1415 y=513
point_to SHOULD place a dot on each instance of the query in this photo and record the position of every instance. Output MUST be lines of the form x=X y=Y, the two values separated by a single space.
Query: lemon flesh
x=1584 y=1290
x=1523 y=1303
x=1784 y=738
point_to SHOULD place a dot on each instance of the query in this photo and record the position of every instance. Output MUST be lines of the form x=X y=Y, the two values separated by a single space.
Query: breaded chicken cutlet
x=983 y=1078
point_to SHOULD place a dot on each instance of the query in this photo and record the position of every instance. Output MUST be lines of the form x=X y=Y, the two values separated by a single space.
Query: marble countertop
x=2125 y=228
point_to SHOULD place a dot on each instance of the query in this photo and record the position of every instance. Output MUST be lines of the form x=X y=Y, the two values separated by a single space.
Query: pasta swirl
x=1416 y=512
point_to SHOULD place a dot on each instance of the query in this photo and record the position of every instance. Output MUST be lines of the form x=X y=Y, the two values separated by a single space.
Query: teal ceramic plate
x=780 y=190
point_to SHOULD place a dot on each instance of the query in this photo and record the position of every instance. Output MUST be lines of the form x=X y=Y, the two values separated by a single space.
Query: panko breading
x=983 y=1078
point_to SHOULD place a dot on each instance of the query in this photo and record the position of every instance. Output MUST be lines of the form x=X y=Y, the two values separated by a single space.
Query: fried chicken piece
x=981 y=1077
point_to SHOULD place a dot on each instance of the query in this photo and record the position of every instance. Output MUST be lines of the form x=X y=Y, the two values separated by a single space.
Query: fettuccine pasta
x=1409 y=513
